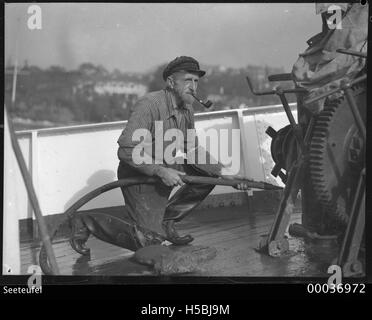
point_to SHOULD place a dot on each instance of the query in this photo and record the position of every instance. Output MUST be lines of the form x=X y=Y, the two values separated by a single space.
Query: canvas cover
x=320 y=68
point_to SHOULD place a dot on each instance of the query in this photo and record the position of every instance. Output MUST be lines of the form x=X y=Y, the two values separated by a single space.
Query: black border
x=186 y=289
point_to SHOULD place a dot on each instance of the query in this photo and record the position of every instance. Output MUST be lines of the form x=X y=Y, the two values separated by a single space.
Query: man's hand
x=170 y=177
x=239 y=186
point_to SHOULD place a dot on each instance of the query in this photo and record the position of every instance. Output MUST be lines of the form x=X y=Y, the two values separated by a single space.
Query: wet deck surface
x=233 y=232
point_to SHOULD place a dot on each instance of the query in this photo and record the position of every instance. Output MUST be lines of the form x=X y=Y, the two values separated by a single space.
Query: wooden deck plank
x=235 y=235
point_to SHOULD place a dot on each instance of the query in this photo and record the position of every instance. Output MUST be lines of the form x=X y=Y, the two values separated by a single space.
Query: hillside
x=91 y=94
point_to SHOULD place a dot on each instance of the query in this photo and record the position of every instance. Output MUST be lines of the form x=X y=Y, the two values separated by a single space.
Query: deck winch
x=327 y=156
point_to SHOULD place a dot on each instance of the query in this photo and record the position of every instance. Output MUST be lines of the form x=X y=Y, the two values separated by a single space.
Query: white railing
x=66 y=163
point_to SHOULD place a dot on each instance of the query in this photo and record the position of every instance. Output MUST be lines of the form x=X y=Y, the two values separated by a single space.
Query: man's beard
x=187 y=98
x=184 y=98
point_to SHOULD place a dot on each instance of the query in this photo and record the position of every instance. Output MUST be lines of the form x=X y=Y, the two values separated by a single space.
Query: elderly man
x=148 y=205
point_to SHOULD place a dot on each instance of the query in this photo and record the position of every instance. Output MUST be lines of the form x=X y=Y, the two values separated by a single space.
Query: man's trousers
x=149 y=205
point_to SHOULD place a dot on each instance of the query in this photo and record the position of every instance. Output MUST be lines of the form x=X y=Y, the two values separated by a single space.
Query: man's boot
x=79 y=236
x=116 y=230
x=179 y=206
x=173 y=236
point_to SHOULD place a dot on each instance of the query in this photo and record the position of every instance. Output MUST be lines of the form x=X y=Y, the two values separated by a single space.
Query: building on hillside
x=120 y=87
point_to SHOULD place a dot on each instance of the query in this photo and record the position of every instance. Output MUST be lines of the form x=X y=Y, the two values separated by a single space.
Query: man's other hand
x=170 y=177
x=239 y=186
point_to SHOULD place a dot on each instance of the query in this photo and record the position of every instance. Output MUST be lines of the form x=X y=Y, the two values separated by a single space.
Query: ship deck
x=232 y=231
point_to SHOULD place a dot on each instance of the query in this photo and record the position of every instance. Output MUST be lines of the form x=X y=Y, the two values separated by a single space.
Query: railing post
x=35 y=178
x=244 y=144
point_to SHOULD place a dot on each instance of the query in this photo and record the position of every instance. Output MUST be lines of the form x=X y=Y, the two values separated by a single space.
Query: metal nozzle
x=206 y=104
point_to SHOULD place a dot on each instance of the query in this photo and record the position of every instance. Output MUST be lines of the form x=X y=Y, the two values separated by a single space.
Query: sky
x=137 y=37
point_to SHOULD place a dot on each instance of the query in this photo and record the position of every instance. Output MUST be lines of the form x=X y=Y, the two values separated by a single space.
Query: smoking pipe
x=206 y=104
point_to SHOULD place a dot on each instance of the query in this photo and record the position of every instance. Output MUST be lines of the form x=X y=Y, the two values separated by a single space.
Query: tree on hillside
x=88 y=69
x=56 y=69
x=156 y=81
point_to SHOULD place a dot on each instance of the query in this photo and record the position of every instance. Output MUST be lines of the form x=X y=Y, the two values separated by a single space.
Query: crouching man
x=149 y=206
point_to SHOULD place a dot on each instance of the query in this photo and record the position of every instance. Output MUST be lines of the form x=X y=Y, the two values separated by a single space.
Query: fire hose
x=43 y=257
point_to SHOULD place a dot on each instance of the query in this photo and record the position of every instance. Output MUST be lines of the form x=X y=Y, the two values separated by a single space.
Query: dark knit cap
x=182 y=63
